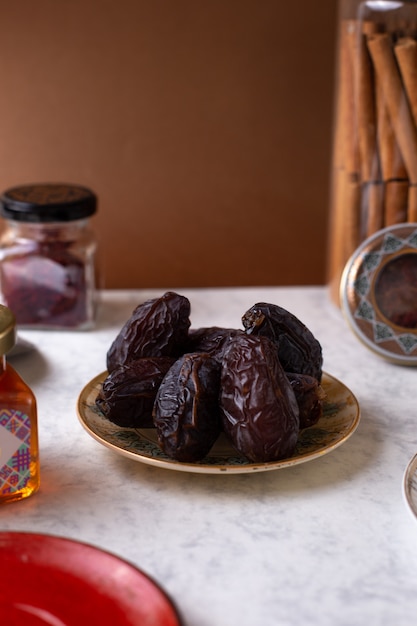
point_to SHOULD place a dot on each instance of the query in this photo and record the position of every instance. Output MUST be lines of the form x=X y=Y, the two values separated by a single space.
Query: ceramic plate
x=410 y=485
x=51 y=580
x=340 y=418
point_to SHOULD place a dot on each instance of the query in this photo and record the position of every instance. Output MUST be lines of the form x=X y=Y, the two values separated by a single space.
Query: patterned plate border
x=340 y=419
x=360 y=302
x=410 y=486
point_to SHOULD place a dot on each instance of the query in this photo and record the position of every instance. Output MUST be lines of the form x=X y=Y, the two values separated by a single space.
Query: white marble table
x=330 y=542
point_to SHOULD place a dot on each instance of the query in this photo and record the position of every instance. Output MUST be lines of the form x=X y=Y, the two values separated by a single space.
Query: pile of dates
x=260 y=385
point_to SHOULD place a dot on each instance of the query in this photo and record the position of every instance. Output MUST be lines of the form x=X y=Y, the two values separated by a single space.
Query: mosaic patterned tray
x=340 y=419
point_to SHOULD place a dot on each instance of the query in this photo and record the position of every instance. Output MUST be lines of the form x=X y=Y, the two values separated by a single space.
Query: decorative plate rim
x=410 y=477
x=235 y=463
x=358 y=294
x=106 y=578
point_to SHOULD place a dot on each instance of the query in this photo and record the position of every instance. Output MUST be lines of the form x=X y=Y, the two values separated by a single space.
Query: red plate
x=47 y=580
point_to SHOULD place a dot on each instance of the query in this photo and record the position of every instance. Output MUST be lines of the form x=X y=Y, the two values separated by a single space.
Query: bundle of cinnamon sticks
x=375 y=145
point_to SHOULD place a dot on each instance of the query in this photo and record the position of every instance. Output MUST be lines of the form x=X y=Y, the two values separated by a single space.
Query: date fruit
x=186 y=411
x=212 y=340
x=128 y=393
x=310 y=397
x=298 y=349
x=157 y=327
x=259 y=410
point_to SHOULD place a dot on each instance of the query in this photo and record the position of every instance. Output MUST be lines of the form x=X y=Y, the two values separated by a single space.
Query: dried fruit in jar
x=128 y=393
x=298 y=349
x=213 y=340
x=310 y=397
x=46 y=285
x=186 y=410
x=157 y=327
x=259 y=410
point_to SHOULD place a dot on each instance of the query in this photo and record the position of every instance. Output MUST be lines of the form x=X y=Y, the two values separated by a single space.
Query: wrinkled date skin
x=310 y=396
x=212 y=340
x=259 y=410
x=298 y=349
x=186 y=411
x=158 y=327
x=128 y=393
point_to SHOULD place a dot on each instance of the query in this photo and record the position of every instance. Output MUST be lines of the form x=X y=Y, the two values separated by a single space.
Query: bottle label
x=15 y=432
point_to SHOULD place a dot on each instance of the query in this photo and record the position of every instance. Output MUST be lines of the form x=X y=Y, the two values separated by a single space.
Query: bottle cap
x=7 y=329
x=378 y=293
x=50 y=202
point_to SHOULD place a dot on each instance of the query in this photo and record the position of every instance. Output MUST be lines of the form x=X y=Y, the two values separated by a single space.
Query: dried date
x=259 y=410
x=157 y=327
x=310 y=396
x=298 y=349
x=128 y=393
x=212 y=340
x=186 y=411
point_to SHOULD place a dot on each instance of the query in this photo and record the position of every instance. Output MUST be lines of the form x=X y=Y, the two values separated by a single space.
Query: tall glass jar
x=374 y=167
x=47 y=256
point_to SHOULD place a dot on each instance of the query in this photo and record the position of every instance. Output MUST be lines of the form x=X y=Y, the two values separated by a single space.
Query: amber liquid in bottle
x=19 y=452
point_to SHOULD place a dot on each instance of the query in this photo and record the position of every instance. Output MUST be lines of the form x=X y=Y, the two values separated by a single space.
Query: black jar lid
x=48 y=202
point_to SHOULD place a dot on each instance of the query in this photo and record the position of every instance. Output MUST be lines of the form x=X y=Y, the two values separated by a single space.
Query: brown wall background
x=204 y=126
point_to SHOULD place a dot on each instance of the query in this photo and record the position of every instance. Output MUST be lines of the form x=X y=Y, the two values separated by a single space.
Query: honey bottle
x=19 y=454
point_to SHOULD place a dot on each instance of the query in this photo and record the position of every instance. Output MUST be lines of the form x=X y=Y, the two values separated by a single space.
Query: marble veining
x=327 y=543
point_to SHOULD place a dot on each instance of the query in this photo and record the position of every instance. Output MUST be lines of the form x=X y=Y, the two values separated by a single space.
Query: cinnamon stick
x=336 y=243
x=412 y=204
x=345 y=165
x=391 y=161
x=373 y=200
x=396 y=202
x=364 y=101
x=345 y=227
x=406 y=55
x=394 y=173
x=352 y=213
x=346 y=142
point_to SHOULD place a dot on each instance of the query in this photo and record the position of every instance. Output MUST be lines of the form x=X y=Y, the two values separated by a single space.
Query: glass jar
x=374 y=166
x=47 y=256
x=19 y=454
